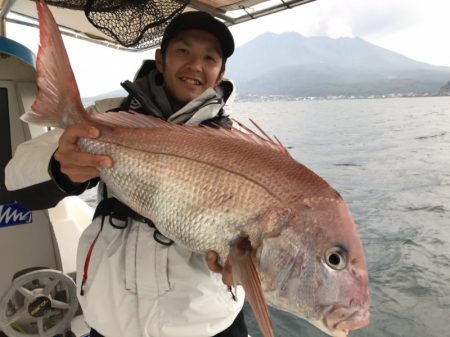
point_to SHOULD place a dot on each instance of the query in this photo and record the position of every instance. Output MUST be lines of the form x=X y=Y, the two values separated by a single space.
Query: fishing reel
x=39 y=303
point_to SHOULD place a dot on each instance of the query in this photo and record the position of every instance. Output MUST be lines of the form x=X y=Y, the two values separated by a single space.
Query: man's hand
x=77 y=165
x=213 y=264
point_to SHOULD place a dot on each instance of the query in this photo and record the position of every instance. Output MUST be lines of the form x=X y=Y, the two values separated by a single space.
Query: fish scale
x=240 y=155
x=185 y=194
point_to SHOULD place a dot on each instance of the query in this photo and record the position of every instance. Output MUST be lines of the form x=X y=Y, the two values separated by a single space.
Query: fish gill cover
x=139 y=24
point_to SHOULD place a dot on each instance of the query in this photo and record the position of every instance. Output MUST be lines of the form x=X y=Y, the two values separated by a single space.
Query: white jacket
x=136 y=286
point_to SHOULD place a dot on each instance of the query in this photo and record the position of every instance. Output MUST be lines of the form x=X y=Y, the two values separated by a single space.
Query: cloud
x=367 y=19
x=338 y=18
x=336 y=28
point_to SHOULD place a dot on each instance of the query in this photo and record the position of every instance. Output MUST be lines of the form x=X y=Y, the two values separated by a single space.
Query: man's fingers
x=81 y=166
x=212 y=261
x=227 y=273
x=69 y=159
x=80 y=176
x=73 y=132
x=78 y=165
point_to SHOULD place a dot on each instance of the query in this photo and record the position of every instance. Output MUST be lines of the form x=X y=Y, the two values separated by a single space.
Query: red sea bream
x=289 y=235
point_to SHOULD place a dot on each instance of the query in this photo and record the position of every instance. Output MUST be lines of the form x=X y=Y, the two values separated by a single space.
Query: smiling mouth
x=189 y=80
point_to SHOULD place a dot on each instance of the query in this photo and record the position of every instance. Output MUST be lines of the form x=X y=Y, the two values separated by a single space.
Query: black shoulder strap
x=116 y=210
x=111 y=205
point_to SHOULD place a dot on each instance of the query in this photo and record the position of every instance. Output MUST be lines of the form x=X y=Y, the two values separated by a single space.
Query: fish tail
x=58 y=101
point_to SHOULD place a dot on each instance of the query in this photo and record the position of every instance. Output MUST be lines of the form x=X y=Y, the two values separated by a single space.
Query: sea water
x=390 y=160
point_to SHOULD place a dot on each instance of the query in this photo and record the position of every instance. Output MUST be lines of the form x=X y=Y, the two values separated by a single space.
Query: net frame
x=137 y=24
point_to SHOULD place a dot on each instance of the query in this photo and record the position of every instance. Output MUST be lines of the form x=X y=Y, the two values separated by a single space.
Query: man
x=133 y=281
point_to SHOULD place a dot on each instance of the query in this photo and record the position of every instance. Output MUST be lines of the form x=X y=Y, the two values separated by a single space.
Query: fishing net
x=138 y=24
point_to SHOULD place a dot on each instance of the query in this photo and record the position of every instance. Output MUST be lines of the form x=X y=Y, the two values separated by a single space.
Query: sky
x=419 y=29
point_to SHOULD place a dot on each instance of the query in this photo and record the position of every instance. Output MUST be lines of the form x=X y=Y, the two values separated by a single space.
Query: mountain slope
x=293 y=65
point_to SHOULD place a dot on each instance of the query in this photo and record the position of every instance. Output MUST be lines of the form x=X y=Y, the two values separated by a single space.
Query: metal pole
x=6 y=6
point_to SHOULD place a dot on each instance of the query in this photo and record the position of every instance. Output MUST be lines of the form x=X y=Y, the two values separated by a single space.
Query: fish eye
x=336 y=258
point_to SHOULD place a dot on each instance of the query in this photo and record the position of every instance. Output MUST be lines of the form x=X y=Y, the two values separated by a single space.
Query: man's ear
x=220 y=77
x=159 y=61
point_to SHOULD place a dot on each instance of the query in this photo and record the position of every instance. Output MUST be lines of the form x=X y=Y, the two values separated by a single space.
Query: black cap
x=201 y=21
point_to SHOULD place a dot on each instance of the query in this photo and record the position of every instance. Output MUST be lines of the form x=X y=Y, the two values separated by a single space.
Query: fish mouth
x=341 y=320
x=354 y=321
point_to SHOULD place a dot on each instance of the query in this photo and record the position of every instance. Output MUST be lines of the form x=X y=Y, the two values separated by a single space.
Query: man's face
x=192 y=63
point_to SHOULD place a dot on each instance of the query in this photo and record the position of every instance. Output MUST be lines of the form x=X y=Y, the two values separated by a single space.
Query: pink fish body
x=290 y=235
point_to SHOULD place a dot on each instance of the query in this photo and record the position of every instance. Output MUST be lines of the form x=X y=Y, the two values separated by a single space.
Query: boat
x=38 y=247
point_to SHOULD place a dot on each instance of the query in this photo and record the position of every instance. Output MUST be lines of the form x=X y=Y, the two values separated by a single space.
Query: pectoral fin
x=244 y=273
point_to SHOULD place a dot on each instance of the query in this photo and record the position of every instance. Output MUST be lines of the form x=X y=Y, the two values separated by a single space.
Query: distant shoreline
x=273 y=98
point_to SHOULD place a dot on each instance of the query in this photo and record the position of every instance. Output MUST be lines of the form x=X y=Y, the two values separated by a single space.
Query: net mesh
x=137 y=24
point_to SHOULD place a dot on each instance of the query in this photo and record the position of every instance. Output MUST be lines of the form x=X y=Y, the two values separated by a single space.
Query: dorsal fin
x=129 y=119
x=266 y=137
x=137 y=120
